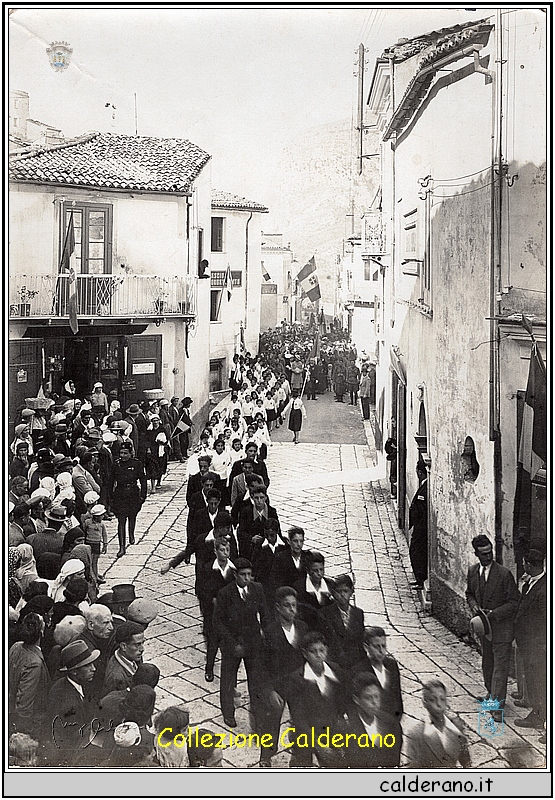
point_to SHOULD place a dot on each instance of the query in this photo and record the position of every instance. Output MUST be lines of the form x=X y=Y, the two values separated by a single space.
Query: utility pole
x=360 y=104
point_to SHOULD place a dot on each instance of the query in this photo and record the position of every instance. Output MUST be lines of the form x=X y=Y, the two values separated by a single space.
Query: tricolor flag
x=308 y=279
x=533 y=436
x=229 y=282
x=67 y=265
x=265 y=274
x=315 y=352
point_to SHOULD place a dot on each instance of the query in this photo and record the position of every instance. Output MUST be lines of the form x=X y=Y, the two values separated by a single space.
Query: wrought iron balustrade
x=103 y=296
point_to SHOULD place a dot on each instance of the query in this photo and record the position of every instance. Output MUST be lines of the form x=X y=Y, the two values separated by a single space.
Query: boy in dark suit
x=252 y=517
x=239 y=616
x=385 y=669
x=312 y=591
x=213 y=577
x=292 y=564
x=264 y=553
x=315 y=695
x=492 y=588
x=342 y=623
x=282 y=655
x=383 y=732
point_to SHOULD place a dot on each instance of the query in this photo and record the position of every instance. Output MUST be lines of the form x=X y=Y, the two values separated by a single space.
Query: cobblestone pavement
x=333 y=491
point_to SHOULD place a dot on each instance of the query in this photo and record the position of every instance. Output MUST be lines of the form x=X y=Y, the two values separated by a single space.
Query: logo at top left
x=59 y=54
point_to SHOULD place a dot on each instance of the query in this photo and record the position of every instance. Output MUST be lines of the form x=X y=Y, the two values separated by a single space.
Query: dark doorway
x=81 y=363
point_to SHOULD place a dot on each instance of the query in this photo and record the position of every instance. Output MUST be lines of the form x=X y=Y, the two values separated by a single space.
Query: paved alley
x=335 y=492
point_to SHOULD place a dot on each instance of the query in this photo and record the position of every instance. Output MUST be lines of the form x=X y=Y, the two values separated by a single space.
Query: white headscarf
x=67 y=492
x=71 y=567
x=49 y=484
x=27 y=569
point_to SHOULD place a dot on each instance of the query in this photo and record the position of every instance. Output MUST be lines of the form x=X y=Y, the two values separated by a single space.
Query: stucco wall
x=244 y=305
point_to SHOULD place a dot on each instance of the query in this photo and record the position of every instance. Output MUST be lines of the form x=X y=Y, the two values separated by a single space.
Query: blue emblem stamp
x=487 y=725
x=59 y=54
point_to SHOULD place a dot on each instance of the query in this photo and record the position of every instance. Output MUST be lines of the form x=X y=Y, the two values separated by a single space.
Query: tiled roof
x=114 y=161
x=453 y=42
x=406 y=48
x=228 y=200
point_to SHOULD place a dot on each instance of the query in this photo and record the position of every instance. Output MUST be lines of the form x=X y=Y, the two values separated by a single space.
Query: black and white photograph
x=276 y=427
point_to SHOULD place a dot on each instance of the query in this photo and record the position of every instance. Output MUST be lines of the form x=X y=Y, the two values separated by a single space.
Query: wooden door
x=144 y=367
x=24 y=374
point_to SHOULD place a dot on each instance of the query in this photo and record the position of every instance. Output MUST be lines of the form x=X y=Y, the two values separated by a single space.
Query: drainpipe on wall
x=495 y=281
x=247 y=270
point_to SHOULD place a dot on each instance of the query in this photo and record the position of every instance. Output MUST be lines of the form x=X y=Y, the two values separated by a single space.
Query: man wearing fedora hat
x=118 y=601
x=491 y=589
x=531 y=639
x=69 y=712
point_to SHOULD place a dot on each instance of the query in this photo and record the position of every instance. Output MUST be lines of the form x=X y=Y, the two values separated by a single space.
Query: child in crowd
x=97 y=538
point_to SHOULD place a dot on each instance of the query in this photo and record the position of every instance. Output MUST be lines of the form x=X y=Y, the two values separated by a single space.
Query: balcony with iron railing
x=109 y=296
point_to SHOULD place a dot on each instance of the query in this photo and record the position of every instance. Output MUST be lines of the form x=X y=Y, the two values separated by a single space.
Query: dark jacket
x=392 y=703
x=68 y=718
x=530 y=623
x=250 y=527
x=344 y=644
x=311 y=709
x=501 y=597
x=29 y=682
x=238 y=622
x=284 y=571
x=360 y=757
x=280 y=657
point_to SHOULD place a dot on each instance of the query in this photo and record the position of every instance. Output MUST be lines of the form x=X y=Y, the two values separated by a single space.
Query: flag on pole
x=308 y=279
x=265 y=274
x=229 y=282
x=315 y=352
x=242 y=348
x=67 y=265
x=533 y=436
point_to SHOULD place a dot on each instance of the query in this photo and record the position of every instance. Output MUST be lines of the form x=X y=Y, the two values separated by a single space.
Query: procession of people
x=80 y=693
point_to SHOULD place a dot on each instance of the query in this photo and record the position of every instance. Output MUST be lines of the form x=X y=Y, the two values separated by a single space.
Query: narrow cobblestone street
x=336 y=492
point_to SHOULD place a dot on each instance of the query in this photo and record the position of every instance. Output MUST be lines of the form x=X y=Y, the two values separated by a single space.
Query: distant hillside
x=313 y=189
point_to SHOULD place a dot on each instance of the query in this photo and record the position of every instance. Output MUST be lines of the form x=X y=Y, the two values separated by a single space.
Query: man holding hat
x=68 y=710
x=493 y=597
x=531 y=639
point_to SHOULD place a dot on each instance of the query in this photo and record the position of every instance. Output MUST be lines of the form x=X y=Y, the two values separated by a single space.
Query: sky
x=242 y=83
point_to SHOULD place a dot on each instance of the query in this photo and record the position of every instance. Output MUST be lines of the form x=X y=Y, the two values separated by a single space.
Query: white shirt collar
x=289 y=634
x=320 y=680
x=77 y=686
x=318 y=593
x=535 y=579
x=372 y=729
x=228 y=567
x=431 y=730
